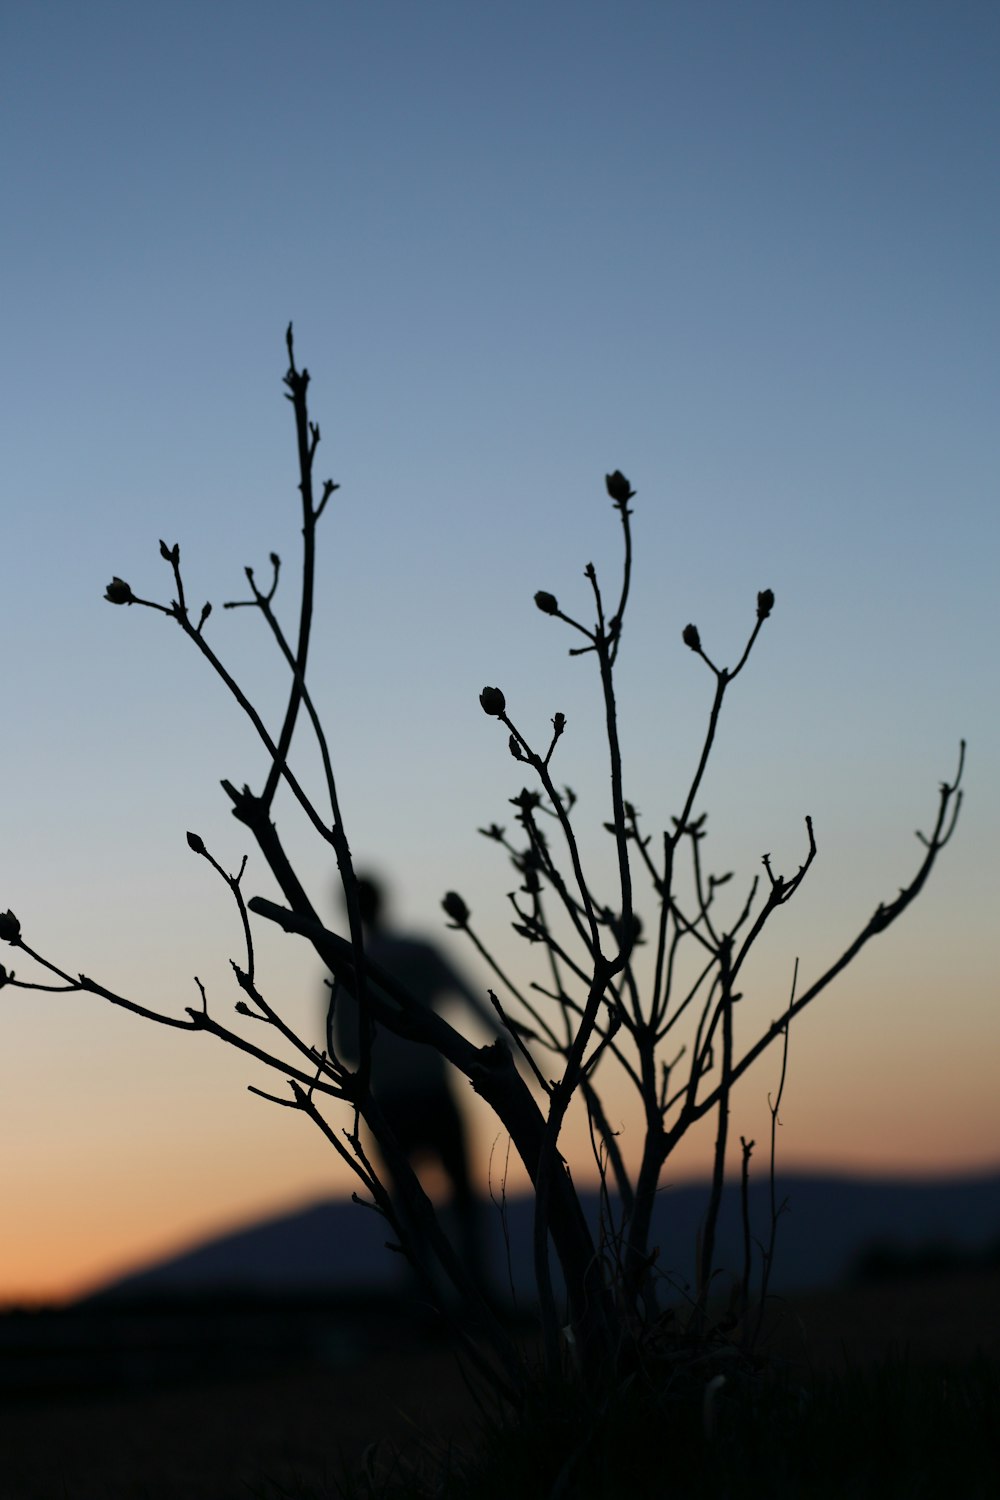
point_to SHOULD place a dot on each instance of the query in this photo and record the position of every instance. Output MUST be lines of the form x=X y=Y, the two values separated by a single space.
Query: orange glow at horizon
x=95 y=1225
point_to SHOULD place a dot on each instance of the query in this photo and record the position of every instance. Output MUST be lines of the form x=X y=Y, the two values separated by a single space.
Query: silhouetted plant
x=594 y=1003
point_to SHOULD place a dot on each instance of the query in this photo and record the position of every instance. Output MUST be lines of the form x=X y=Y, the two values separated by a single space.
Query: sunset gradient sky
x=746 y=253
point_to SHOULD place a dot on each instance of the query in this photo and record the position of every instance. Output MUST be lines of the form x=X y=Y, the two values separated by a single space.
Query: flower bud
x=10 y=927
x=547 y=603
x=118 y=592
x=765 y=603
x=691 y=638
x=618 y=928
x=4 y=976
x=196 y=842
x=456 y=908
x=170 y=554
x=493 y=701
x=515 y=748
x=618 y=487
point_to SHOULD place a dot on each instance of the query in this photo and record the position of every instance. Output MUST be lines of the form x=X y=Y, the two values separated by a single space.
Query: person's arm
x=454 y=983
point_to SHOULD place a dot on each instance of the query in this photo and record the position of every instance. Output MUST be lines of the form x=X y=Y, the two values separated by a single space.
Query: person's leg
x=403 y=1112
x=430 y=1120
x=451 y=1145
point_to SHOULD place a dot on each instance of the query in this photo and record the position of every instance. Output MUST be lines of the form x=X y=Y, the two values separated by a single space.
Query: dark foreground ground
x=227 y=1403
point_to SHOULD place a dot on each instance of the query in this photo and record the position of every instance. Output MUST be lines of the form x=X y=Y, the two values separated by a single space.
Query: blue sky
x=745 y=253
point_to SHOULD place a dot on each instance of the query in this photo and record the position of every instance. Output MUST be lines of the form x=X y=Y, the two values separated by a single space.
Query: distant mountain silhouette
x=336 y=1246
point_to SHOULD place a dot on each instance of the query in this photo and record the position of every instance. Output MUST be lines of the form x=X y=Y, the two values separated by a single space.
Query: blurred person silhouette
x=410 y=1081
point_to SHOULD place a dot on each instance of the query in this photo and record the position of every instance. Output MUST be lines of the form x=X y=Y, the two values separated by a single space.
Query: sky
x=746 y=254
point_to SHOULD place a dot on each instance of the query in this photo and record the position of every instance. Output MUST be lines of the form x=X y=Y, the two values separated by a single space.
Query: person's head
x=371 y=900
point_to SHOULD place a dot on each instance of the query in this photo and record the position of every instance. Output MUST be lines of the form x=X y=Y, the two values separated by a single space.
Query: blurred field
x=228 y=1435
x=929 y=1319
